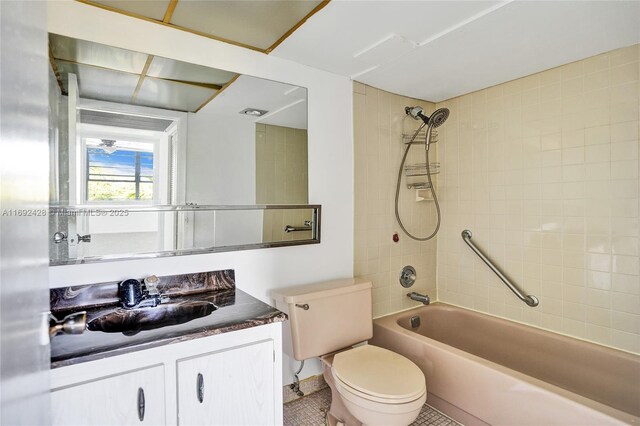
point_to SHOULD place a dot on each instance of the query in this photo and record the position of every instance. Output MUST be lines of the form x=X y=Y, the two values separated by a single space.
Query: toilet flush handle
x=305 y=306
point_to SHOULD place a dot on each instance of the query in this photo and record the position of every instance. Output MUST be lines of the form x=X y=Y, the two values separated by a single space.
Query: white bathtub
x=485 y=370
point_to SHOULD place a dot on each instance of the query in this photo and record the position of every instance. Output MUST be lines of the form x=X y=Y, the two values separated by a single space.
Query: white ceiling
x=287 y=104
x=436 y=50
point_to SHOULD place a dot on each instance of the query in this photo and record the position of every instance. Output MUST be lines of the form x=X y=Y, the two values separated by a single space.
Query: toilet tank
x=327 y=316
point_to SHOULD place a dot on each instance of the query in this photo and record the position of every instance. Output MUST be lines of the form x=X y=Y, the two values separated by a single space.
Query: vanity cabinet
x=228 y=387
x=135 y=397
x=234 y=378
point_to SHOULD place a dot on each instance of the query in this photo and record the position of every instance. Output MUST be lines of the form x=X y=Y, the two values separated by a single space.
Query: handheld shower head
x=436 y=119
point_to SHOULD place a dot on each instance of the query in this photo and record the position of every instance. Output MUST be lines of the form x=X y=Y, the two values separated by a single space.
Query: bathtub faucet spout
x=419 y=297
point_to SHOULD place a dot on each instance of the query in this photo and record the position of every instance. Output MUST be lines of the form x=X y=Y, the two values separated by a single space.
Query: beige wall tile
x=379 y=122
x=551 y=190
x=281 y=178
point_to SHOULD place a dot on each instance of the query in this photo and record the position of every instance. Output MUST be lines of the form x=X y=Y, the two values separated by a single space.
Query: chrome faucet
x=134 y=294
x=419 y=297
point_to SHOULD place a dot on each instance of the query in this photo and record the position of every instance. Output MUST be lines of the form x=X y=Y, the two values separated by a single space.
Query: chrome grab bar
x=307 y=227
x=526 y=298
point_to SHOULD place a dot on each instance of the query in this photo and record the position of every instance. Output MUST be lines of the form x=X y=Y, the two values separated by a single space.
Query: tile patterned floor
x=310 y=411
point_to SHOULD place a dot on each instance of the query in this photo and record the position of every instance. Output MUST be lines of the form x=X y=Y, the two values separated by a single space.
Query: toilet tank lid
x=307 y=292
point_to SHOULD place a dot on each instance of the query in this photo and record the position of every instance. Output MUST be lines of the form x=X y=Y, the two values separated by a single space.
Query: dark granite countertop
x=236 y=310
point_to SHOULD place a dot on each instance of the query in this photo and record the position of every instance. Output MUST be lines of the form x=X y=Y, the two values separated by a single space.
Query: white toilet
x=369 y=385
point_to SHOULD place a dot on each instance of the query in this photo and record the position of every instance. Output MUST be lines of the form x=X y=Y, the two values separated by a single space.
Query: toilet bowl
x=375 y=386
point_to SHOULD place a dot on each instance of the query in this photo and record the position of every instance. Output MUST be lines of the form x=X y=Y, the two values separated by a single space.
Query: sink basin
x=132 y=321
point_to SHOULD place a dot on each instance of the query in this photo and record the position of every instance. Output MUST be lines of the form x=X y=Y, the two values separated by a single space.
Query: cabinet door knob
x=200 y=387
x=141 y=404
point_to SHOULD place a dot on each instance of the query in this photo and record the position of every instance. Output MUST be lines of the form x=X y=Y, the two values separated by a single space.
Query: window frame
x=137 y=176
x=103 y=132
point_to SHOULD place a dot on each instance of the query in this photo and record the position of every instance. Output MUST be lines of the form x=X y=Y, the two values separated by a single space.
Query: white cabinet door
x=134 y=398
x=231 y=387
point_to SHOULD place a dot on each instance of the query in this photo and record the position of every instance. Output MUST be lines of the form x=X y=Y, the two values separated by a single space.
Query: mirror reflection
x=129 y=131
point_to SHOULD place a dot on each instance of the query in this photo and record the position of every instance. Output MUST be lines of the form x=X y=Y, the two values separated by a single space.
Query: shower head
x=436 y=119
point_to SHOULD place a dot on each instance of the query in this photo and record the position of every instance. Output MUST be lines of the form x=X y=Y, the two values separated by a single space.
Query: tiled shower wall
x=282 y=178
x=379 y=120
x=281 y=165
x=544 y=171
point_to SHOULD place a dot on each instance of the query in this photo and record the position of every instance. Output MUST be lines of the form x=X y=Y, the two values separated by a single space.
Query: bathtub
x=485 y=370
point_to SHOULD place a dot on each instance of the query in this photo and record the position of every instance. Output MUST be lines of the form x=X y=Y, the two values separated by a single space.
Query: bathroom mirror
x=144 y=150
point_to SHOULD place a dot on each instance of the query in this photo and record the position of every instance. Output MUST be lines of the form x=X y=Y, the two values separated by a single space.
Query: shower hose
x=433 y=192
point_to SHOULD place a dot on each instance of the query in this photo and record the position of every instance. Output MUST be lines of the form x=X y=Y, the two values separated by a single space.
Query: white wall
x=221 y=159
x=330 y=159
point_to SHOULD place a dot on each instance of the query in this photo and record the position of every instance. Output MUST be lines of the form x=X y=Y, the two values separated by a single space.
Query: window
x=119 y=171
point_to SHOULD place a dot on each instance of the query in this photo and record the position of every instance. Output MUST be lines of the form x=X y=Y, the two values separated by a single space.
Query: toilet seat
x=361 y=407
x=378 y=375
x=344 y=388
